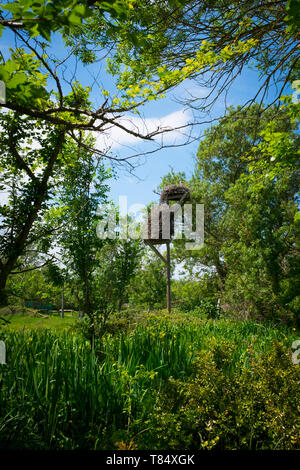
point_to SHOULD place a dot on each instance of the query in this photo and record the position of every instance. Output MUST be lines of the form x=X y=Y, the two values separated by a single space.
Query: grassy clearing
x=57 y=392
x=36 y=322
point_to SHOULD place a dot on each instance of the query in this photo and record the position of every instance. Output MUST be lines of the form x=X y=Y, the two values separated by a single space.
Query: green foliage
x=29 y=160
x=253 y=407
x=24 y=80
x=262 y=272
x=32 y=73
x=54 y=274
x=277 y=151
x=26 y=72
x=293 y=15
x=82 y=186
x=148 y=287
x=116 y=264
x=127 y=259
x=173 y=382
x=41 y=286
x=32 y=285
x=41 y=17
x=196 y=296
x=118 y=322
x=265 y=242
x=159 y=44
x=247 y=177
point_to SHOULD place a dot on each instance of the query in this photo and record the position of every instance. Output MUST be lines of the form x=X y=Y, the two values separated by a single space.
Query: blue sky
x=139 y=186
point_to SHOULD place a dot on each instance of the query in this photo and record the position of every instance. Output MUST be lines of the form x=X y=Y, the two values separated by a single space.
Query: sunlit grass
x=57 y=392
x=53 y=322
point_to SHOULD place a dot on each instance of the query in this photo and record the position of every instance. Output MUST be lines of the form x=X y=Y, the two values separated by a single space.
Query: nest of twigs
x=175 y=192
x=162 y=217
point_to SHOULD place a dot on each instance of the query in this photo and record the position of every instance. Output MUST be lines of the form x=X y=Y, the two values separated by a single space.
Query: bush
x=117 y=323
x=252 y=406
x=197 y=297
x=174 y=382
x=206 y=308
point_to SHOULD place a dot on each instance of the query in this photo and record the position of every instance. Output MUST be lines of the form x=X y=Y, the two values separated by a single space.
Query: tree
x=58 y=277
x=117 y=263
x=28 y=175
x=262 y=253
x=34 y=78
x=38 y=286
x=211 y=41
x=247 y=176
x=266 y=202
x=99 y=269
x=148 y=287
x=128 y=255
x=82 y=188
x=40 y=104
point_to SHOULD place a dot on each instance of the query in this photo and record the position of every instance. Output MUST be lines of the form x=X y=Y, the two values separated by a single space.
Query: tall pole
x=63 y=301
x=168 y=278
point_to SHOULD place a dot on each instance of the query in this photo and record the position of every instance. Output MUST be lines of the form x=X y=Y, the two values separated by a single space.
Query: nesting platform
x=174 y=192
x=159 y=228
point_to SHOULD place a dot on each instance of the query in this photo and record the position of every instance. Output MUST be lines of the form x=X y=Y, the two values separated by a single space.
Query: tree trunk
x=5 y=270
x=87 y=306
x=120 y=304
x=222 y=272
x=16 y=248
x=3 y=293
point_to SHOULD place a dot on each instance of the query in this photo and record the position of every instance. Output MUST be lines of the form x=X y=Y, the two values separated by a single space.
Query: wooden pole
x=168 y=278
x=63 y=301
x=156 y=251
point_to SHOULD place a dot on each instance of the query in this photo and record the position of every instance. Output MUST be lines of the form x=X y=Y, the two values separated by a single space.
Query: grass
x=34 y=322
x=58 y=393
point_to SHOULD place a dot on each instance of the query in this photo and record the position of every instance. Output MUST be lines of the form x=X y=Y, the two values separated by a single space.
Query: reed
x=57 y=392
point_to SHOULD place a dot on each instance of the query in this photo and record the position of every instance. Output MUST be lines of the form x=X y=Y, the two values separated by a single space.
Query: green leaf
x=10 y=66
x=16 y=80
x=293 y=15
x=14 y=8
x=44 y=29
x=77 y=13
x=4 y=75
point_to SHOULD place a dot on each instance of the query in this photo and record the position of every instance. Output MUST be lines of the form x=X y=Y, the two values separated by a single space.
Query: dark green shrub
x=205 y=308
x=196 y=297
x=253 y=406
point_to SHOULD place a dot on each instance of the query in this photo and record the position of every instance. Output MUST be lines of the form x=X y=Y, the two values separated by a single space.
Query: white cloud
x=115 y=137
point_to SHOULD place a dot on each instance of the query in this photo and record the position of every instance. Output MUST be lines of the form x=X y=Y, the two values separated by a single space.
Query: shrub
x=196 y=297
x=253 y=406
x=174 y=382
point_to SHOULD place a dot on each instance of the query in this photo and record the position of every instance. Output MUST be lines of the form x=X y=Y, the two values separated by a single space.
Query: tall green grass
x=57 y=392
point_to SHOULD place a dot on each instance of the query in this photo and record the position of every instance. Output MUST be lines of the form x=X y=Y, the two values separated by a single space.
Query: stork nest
x=175 y=192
